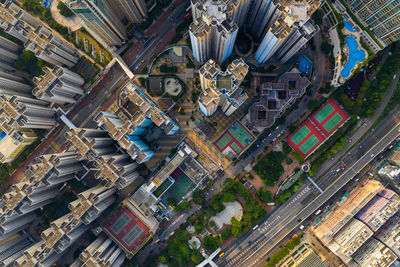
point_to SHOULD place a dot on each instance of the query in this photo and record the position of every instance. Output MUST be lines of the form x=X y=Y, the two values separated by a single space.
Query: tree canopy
x=269 y=168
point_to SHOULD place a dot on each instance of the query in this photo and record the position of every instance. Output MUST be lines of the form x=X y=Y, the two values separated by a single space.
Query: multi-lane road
x=251 y=249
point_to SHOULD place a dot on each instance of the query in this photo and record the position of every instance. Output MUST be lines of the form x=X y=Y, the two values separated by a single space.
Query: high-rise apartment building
x=13 y=84
x=9 y=54
x=117 y=170
x=101 y=252
x=214 y=28
x=91 y=203
x=64 y=231
x=136 y=114
x=13 y=247
x=382 y=17
x=18 y=112
x=134 y=10
x=35 y=36
x=107 y=20
x=261 y=15
x=290 y=29
x=55 y=169
x=90 y=143
x=40 y=188
x=221 y=89
x=58 y=85
x=113 y=168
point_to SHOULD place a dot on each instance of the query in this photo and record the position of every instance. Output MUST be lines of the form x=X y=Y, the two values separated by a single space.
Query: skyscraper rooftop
x=135 y=114
x=222 y=88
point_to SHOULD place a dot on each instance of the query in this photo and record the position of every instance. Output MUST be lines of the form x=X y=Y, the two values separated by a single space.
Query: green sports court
x=306 y=139
x=324 y=113
x=183 y=184
x=224 y=141
x=309 y=143
x=332 y=122
x=236 y=138
x=329 y=117
x=300 y=135
x=240 y=134
x=120 y=224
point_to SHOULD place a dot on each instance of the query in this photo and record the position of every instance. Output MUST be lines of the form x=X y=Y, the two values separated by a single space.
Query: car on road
x=187 y=15
x=372 y=155
x=269 y=134
x=301 y=227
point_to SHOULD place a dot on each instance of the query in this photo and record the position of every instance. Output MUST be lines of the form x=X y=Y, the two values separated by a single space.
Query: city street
x=250 y=250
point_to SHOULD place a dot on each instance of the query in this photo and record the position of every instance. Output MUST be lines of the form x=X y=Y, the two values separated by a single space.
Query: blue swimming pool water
x=2 y=135
x=305 y=65
x=46 y=3
x=348 y=25
x=355 y=56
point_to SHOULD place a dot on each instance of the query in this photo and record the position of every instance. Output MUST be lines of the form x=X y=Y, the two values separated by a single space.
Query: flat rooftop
x=224 y=82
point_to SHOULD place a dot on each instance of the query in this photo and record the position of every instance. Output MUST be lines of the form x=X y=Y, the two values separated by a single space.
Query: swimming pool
x=355 y=56
x=305 y=65
x=348 y=26
x=46 y=3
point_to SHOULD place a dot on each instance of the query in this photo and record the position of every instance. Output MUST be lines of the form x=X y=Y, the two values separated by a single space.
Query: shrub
x=64 y=10
x=264 y=195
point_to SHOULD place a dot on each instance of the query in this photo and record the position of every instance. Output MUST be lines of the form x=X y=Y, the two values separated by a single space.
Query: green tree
x=228 y=197
x=312 y=104
x=226 y=233
x=264 y=195
x=196 y=257
x=198 y=197
x=269 y=168
x=161 y=259
x=211 y=243
x=64 y=10
x=181 y=235
x=236 y=227
x=326 y=47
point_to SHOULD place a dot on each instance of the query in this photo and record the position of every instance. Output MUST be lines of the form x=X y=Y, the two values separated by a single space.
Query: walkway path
x=73 y=22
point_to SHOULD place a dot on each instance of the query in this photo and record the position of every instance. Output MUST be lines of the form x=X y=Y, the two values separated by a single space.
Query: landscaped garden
x=181 y=252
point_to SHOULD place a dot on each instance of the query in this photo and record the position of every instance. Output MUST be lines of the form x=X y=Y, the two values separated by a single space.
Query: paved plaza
x=232 y=209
